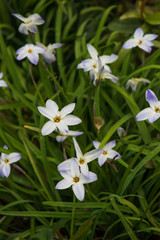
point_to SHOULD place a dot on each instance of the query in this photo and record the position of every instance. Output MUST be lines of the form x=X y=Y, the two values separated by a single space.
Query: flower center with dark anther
x=6 y=160
x=157 y=110
x=76 y=179
x=94 y=66
x=140 y=42
x=57 y=119
x=29 y=50
x=28 y=21
x=104 y=153
x=81 y=161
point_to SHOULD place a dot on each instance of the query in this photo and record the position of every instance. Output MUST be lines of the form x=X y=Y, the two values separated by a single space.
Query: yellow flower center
x=157 y=110
x=81 y=161
x=57 y=119
x=28 y=21
x=30 y=51
x=140 y=42
x=104 y=153
x=95 y=66
x=135 y=79
x=6 y=160
x=76 y=179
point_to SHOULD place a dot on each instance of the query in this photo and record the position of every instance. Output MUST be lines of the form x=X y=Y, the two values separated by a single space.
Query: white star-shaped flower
x=29 y=23
x=151 y=113
x=31 y=52
x=58 y=119
x=82 y=159
x=140 y=40
x=108 y=152
x=6 y=160
x=92 y=64
x=2 y=82
x=133 y=82
x=49 y=55
x=73 y=177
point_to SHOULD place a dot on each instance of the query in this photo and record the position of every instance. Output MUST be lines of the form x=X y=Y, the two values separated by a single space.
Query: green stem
x=72 y=220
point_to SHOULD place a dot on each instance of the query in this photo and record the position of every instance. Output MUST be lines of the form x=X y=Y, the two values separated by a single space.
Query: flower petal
x=38 y=20
x=48 y=128
x=92 y=51
x=138 y=34
x=74 y=168
x=108 y=59
x=72 y=120
x=57 y=45
x=84 y=169
x=60 y=138
x=65 y=183
x=46 y=112
x=102 y=159
x=67 y=109
x=130 y=44
x=78 y=190
x=14 y=157
x=3 y=83
x=96 y=144
x=23 y=19
x=90 y=178
x=62 y=126
x=89 y=156
x=52 y=107
x=144 y=114
x=150 y=37
x=1 y=75
x=65 y=165
x=49 y=57
x=6 y=169
x=74 y=133
x=112 y=153
x=33 y=58
x=23 y=28
x=151 y=98
x=110 y=145
x=145 y=47
x=153 y=117
x=77 y=149
x=32 y=28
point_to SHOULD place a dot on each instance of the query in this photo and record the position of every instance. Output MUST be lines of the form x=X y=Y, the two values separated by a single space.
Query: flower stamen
x=157 y=110
x=57 y=119
x=81 y=161
x=28 y=21
x=140 y=42
x=76 y=179
x=6 y=160
x=95 y=66
x=30 y=51
x=104 y=153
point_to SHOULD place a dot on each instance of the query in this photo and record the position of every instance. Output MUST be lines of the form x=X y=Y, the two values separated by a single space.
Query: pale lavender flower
x=140 y=40
x=133 y=82
x=108 y=152
x=121 y=132
x=82 y=159
x=2 y=82
x=31 y=52
x=58 y=119
x=6 y=160
x=151 y=113
x=49 y=55
x=73 y=177
x=29 y=23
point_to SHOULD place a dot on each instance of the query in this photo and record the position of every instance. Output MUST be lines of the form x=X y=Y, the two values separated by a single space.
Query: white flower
x=141 y=40
x=133 y=82
x=108 y=152
x=6 y=160
x=73 y=177
x=29 y=23
x=151 y=113
x=101 y=73
x=121 y=132
x=2 y=82
x=92 y=64
x=64 y=135
x=49 y=55
x=58 y=119
x=82 y=159
x=31 y=52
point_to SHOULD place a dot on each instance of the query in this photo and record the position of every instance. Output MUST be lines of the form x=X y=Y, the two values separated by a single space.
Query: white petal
x=145 y=47
x=60 y=138
x=67 y=109
x=49 y=57
x=74 y=168
x=52 y=107
x=3 y=83
x=80 y=65
x=62 y=126
x=102 y=159
x=1 y=75
x=32 y=28
x=84 y=169
x=89 y=156
x=108 y=59
x=39 y=49
x=153 y=117
x=74 y=133
x=96 y=144
x=92 y=51
x=6 y=169
x=138 y=34
x=23 y=19
x=46 y=112
x=144 y=114
x=33 y=58
x=110 y=145
x=38 y=20
x=109 y=76
x=79 y=190
x=21 y=55
x=65 y=165
x=90 y=178
x=57 y=45
x=130 y=44
x=72 y=120
x=65 y=174
x=14 y=157
x=150 y=37
x=23 y=28
x=48 y=128
x=107 y=68
x=112 y=153
x=151 y=98
x=63 y=184
x=77 y=149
